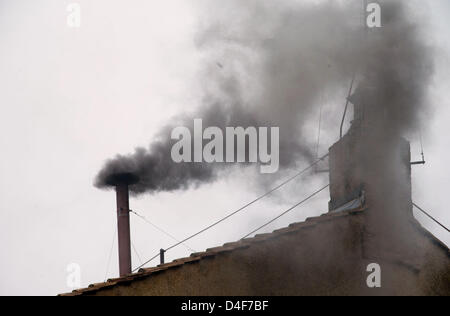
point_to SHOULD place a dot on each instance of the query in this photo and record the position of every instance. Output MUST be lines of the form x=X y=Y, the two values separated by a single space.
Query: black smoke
x=269 y=63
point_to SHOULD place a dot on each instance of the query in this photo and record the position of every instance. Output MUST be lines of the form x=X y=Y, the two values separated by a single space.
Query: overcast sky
x=71 y=98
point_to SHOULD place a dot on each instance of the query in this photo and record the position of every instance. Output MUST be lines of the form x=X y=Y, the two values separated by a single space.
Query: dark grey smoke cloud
x=269 y=62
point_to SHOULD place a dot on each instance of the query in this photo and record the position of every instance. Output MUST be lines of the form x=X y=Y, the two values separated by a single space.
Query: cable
x=436 y=221
x=161 y=230
x=240 y=209
x=287 y=211
x=147 y=262
x=135 y=251
x=320 y=129
x=110 y=254
x=252 y=202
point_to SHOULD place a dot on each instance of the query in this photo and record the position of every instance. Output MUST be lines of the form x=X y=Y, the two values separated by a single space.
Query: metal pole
x=346 y=107
x=161 y=256
x=123 y=229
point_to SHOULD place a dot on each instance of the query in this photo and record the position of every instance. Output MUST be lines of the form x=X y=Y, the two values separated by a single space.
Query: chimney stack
x=123 y=229
x=122 y=182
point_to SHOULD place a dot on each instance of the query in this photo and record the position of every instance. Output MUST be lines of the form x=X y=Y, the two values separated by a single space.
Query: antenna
x=346 y=106
x=364 y=30
x=421 y=146
x=421 y=151
x=316 y=170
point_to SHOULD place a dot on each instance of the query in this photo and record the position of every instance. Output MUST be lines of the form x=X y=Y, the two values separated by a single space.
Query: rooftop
x=194 y=258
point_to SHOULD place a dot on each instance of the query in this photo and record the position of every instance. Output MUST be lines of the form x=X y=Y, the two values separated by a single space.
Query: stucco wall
x=326 y=259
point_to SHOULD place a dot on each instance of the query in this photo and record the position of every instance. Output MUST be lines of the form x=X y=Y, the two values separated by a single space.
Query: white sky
x=70 y=98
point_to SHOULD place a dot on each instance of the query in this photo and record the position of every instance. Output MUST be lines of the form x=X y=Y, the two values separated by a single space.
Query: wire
x=135 y=251
x=252 y=202
x=110 y=254
x=435 y=220
x=160 y=229
x=320 y=129
x=147 y=262
x=240 y=209
x=287 y=211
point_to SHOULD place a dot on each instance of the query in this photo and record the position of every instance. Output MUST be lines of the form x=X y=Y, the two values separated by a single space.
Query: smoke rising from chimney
x=269 y=63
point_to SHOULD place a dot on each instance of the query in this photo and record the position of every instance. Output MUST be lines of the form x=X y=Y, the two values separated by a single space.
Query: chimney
x=368 y=164
x=122 y=183
x=123 y=229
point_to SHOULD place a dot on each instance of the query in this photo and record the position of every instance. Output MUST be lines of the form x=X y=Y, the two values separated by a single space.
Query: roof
x=230 y=247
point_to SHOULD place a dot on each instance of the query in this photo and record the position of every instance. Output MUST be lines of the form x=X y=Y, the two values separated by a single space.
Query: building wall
x=328 y=258
x=382 y=171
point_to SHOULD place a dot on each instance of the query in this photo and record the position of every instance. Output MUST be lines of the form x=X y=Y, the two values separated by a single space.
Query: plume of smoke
x=269 y=64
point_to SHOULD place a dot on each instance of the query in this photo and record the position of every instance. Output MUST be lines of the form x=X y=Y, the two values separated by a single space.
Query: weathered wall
x=328 y=258
x=382 y=172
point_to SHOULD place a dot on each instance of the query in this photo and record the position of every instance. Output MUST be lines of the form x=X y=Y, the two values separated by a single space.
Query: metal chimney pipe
x=123 y=229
